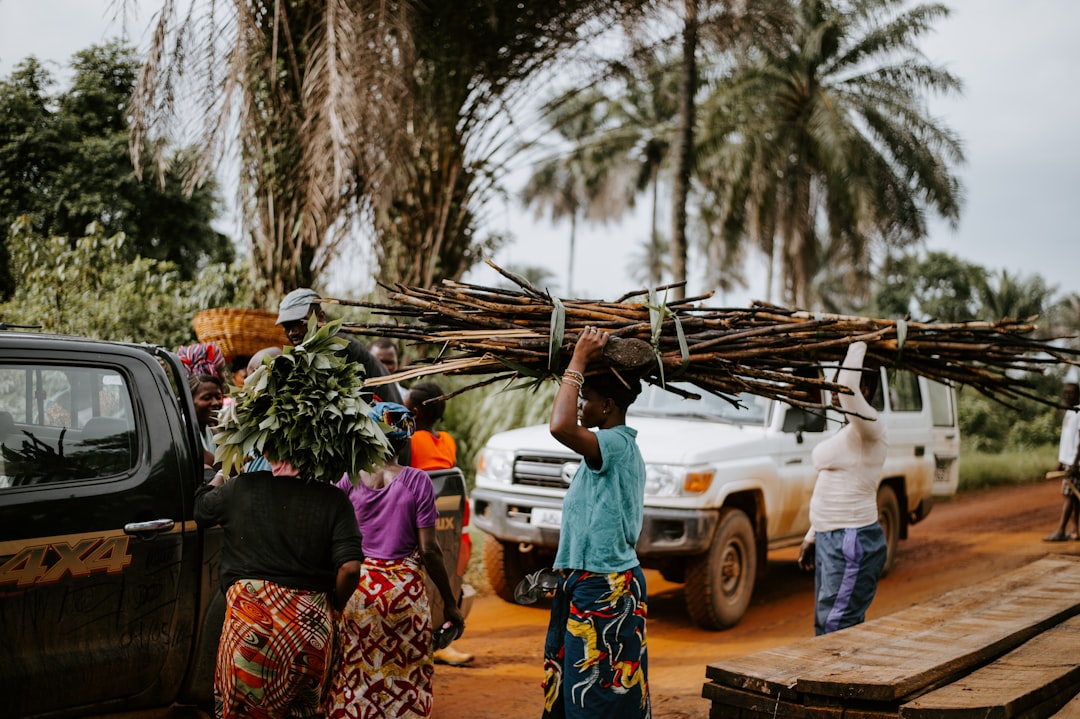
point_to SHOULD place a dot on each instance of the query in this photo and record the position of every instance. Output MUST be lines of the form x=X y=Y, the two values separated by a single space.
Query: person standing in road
x=595 y=656
x=845 y=545
x=387 y=664
x=1068 y=459
x=293 y=313
x=292 y=555
x=435 y=449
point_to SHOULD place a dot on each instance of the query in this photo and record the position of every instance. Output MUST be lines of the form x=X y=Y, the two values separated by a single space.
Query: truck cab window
x=62 y=423
x=904 y=394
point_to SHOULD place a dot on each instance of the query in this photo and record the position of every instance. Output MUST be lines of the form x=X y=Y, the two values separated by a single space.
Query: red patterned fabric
x=202 y=358
x=387 y=667
x=275 y=652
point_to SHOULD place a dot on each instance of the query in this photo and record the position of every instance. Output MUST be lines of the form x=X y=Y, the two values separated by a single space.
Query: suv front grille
x=536 y=470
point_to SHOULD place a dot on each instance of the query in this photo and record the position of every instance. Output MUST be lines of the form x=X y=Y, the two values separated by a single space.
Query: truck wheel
x=719 y=582
x=889 y=518
x=505 y=566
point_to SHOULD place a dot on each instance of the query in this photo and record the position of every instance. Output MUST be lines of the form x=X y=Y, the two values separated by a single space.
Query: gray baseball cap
x=294 y=306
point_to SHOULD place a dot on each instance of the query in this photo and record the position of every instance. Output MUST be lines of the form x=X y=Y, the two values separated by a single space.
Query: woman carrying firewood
x=845 y=545
x=595 y=661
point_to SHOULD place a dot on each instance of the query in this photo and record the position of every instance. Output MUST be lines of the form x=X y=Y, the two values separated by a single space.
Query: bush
x=86 y=287
x=473 y=417
x=981 y=469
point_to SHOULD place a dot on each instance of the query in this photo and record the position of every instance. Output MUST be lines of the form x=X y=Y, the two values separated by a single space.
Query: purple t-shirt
x=389 y=517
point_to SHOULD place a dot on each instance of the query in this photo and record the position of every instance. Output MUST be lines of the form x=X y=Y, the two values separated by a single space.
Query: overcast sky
x=1018 y=119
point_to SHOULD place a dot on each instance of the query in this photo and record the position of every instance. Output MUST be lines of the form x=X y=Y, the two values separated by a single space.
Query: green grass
x=981 y=470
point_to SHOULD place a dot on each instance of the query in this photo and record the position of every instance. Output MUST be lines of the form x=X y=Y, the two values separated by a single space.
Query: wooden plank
x=919 y=648
x=1070 y=711
x=1038 y=671
x=1050 y=707
x=737 y=702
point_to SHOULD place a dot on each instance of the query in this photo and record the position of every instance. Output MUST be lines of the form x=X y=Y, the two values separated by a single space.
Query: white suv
x=725 y=484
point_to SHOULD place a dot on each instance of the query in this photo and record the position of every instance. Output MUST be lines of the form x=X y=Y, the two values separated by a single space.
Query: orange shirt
x=431 y=452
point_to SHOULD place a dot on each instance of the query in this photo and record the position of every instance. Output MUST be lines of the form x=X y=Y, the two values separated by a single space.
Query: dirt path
x=969 y=539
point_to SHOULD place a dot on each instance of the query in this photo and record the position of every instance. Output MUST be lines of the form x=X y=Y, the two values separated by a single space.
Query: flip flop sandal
x=536 y=585
x=1057 y=537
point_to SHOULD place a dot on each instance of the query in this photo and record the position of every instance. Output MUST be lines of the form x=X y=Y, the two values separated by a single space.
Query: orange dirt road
x=966 y=540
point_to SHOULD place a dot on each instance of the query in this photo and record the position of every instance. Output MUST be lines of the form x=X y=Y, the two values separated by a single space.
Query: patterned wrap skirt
x=595 y=658
x=276 y=651
x=847 y=565
x=386 y=668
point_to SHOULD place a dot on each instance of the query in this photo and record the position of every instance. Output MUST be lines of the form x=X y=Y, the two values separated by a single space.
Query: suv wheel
x=719 y=582
x=506 y=565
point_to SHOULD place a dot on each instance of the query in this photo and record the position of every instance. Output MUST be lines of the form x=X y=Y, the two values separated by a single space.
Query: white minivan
x=725 y=484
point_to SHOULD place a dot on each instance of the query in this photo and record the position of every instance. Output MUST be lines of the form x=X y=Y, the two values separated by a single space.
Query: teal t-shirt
x=602 y=510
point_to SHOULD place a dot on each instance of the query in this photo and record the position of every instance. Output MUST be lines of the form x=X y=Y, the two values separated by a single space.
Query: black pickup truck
x=109 y=597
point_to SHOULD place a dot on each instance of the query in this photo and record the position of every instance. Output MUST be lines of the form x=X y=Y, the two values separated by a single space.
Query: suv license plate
x=541 y=517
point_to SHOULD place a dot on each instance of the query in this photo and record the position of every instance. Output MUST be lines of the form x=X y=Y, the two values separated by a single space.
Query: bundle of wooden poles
x=766 y=350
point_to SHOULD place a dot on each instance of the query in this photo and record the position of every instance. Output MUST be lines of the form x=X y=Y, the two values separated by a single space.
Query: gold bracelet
x=574 y=375
x=572 y=382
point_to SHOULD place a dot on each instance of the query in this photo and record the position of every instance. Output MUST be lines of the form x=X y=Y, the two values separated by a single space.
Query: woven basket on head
x=239 y=332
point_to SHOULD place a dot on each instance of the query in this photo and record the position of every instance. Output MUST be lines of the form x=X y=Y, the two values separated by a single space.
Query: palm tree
x=582 y=183
x=618 y=131
x=475 y=62
x=827 y=135
x=317 y=90
x=361 y=114
x=1004 y=295
x=1063 y=318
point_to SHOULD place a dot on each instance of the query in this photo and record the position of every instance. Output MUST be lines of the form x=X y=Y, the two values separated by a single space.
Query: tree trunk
x=570 y=261
x=655 y=257
x=684 y=146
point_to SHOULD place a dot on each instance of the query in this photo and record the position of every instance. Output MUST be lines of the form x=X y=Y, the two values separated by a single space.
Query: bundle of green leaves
x=304 y=407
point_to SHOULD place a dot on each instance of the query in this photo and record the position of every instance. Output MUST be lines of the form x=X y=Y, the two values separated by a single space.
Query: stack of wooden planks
x=1004 y=649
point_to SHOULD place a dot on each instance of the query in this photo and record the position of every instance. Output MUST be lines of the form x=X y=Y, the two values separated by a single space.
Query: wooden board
x=916 y=649
x=1041 y=670
x=1070 y=710
x=740 y=703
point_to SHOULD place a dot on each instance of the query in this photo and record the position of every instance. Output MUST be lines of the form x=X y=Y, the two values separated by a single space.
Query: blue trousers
x=848 y=563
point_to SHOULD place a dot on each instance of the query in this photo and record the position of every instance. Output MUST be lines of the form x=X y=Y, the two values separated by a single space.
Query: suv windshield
x=656 y=402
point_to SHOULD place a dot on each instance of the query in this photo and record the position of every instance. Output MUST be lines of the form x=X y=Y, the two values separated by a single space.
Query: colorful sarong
x=595 y=658
x=387 y=667
x=275 y=653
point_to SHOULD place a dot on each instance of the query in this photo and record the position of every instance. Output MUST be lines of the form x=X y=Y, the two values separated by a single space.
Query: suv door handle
x=796 y=460
x=148 y=530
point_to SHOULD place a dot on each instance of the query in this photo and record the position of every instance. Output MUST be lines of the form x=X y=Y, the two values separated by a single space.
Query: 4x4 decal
x=49 y=563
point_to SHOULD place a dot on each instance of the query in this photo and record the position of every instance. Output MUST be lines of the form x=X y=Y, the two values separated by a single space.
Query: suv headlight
x=494 y=466
x=676 y=480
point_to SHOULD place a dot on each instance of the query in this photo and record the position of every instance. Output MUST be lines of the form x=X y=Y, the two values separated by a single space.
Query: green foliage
x=939 y=287
x=981 y=469
x=827 y=134
x=305 y=407
x=90 y=287
x=989 y=426
x=471 y=418
x=65 y=163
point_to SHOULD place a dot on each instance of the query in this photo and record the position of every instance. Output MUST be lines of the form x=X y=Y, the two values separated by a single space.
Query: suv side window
x=63 y=423
x=941 y=406
x=904 y=394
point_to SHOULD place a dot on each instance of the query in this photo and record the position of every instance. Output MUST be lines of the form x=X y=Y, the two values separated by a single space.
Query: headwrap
x=396 y=420
x=202 y=358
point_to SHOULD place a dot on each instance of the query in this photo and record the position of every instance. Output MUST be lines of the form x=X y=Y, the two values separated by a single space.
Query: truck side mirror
x=799 y=420
x=793 y=423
